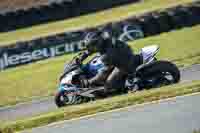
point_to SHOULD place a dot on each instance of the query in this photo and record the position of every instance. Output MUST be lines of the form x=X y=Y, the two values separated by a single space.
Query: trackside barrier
x=55 y=11
x=135 y=27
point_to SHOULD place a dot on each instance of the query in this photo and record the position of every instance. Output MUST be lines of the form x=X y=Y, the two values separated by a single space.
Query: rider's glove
x=78 y=61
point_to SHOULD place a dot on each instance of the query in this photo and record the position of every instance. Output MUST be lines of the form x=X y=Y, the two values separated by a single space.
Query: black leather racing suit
x=119 y=56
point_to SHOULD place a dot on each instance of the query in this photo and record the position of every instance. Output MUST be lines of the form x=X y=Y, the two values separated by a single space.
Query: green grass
x=91 y=20
x=40 y=79
x=101 y=106
x=196 y=131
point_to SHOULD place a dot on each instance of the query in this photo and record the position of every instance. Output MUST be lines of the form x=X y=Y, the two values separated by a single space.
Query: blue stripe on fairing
x=67 y=87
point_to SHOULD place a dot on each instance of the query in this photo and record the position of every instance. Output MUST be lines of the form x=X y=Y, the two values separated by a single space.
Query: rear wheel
x=159 y=73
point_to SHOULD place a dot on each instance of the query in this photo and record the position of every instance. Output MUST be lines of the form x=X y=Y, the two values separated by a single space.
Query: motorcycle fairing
x=149 y=52
x=94 y=66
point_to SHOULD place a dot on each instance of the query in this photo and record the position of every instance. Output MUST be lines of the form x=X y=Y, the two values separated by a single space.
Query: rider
x=117 y=57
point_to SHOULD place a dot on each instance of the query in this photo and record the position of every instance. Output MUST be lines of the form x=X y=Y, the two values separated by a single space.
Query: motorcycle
x=151 y=73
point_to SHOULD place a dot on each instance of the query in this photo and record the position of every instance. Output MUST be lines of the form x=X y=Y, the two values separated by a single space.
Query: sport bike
x=151 y=73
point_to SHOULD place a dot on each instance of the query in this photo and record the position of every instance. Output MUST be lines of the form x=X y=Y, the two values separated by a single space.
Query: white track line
x=33 y=101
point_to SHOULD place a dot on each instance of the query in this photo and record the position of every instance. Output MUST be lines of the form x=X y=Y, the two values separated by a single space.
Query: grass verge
x=91 y=20
x=196 y=131
x=40 y=79
x=102 y=105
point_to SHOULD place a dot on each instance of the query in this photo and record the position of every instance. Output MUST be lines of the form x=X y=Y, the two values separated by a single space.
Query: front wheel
x=159 y=73
x=60 y=99
x=64 y=98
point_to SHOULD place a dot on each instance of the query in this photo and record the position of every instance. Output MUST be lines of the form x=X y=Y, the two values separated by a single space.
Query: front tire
x=59 y=99
x=64 y=98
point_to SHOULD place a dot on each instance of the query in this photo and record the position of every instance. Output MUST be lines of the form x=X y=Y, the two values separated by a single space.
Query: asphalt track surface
x=43 y=106
x=180 y=115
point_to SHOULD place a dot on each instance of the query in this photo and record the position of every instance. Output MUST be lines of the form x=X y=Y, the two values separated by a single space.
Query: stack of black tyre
x=173 y=18
x=55 y=11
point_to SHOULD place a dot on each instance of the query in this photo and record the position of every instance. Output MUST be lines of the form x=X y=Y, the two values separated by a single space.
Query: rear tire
x=160 y=69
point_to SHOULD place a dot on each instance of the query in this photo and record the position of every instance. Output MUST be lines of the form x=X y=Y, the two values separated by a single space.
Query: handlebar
x=80 y=57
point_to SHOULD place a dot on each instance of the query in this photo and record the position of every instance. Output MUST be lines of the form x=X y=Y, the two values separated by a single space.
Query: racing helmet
x=94 y=40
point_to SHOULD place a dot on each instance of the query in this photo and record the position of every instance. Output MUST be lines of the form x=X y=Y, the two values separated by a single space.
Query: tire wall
x=55 y=11
x=149 y=24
